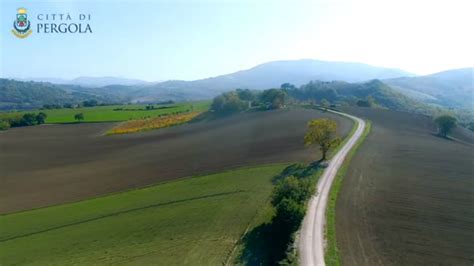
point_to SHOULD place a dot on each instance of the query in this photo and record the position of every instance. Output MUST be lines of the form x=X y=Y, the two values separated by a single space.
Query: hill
x=273 y=74
x=89 y=81
x=452 y=88
x=353 y=93
x=27 y=95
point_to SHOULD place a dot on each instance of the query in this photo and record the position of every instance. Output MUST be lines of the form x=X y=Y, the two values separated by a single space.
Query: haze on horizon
x=198 y=39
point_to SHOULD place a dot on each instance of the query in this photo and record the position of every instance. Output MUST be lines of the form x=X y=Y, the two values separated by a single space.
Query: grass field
x=407 y=198
x=107 y=113
x=193 y=221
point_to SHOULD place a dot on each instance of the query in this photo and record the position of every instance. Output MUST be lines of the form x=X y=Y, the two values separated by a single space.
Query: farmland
x=193 y=221
x=407 y=196
x=138 y=125
x=52 y=164
x=114 y=113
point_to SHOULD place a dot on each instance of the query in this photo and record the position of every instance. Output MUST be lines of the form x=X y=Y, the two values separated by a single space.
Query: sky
x=162 y=40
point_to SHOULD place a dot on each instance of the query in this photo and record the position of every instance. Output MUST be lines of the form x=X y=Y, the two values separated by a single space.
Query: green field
x=107 y=113
x=193 y=221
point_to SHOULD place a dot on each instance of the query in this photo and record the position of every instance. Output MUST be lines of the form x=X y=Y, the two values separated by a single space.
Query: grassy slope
x=332 y=252
x=191 y=221
x=107 y=114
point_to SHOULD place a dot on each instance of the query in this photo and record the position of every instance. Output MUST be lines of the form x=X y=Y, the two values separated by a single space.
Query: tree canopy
x=446 y=124
x=322 y=132
x=79 y=116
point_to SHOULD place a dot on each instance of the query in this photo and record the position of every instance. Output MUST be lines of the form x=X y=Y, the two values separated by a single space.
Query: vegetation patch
x=270 y=240
x=114 y=113
x=332 y=252
x=138 y=125
x=190 y=221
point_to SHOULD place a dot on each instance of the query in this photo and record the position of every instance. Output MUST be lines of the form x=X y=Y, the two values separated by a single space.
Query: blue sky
x=160 y=40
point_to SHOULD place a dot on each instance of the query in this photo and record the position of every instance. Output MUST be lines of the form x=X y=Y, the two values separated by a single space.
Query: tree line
x=28 y=119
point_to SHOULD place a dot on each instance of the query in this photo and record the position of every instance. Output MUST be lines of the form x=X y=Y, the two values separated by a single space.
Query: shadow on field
x=268 y=243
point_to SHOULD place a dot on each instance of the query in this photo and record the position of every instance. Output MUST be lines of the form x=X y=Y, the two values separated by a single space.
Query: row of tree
x=244 y=99
x=86 y=103
x=28 y=119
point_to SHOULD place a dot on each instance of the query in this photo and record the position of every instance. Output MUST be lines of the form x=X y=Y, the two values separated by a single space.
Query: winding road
x=311 y=240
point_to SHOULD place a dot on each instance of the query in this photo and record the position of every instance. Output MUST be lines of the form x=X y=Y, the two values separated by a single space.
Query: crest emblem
x=21 y=26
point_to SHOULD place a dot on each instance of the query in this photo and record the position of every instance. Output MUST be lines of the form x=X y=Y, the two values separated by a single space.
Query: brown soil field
x=53 y=164
x=408 y=196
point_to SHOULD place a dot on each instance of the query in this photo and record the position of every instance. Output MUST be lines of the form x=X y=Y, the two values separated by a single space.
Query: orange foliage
x=152 y=123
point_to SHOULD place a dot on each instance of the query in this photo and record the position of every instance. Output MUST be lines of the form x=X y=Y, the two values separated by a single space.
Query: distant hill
x=298 y=72
x=28 y=95
x=93 y=82
x=452 y=88
x=106 y=81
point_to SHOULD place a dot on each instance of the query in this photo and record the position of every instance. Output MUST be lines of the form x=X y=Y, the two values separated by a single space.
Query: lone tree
x=445 y=124
x=41 y=118
x=79 y=117
x=323 y=133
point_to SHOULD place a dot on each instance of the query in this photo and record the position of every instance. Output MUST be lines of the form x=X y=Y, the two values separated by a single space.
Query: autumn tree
x=445 y=124
x=322 y=132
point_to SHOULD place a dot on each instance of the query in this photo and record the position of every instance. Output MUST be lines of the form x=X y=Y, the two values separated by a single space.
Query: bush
x=228 y=102
x=446 y=124
x=4 y=125
x=289 y=213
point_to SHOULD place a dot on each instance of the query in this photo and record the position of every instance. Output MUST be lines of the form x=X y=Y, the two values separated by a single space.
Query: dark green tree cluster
x=446 y=124
x=28 y=119
x=228 y=102
x=273 y=98
x=289 y=199
x=244 y=99
x=290 y=195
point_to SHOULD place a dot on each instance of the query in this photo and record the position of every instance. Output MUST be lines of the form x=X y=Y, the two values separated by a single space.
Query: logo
x=21 y=26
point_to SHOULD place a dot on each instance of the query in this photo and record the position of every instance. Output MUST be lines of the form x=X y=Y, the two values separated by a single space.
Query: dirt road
x=311 y=241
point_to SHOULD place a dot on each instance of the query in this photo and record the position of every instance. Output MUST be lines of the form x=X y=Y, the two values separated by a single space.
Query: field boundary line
x=122 y=212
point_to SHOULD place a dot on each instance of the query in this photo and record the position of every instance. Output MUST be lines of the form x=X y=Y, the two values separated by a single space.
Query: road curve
x=311 y=241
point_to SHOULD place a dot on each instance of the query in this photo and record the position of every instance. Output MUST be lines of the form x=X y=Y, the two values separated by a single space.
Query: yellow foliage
x=133 y=126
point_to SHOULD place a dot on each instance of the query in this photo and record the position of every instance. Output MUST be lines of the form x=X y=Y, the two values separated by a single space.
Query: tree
x=274 y=98
x=228 y=102
x=246 y=95
x=445 y=124
x=325 y=104
x=287 y=86
x=323 y=133
x=79 y=117
x=28 y=119
x=4 y=125
x=41 y=118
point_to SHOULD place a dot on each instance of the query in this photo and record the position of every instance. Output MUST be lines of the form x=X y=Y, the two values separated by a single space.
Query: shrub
x=4 y=125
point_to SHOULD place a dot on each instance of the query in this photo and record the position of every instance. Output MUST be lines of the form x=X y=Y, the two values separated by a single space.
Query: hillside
x=28 y=95
x=452 y=88
x=298 y=72
x=339 y=91
x=93 y=82
x=407 y=196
